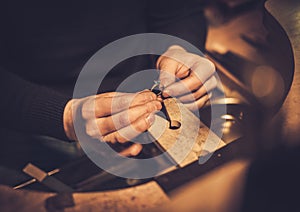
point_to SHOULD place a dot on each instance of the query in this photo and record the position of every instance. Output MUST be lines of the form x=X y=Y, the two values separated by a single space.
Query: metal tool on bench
x=46 y=179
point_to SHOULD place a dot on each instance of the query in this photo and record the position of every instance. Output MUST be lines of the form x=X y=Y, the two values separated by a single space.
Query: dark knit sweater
x=44 y=45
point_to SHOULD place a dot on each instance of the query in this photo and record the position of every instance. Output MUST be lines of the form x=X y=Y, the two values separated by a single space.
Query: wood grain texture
x=137 y=198
x=186 y=143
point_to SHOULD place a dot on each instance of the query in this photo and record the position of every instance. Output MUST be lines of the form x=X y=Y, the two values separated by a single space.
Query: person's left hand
x=187 y=76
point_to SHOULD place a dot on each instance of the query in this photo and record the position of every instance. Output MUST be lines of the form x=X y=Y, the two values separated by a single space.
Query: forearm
x=31 y=108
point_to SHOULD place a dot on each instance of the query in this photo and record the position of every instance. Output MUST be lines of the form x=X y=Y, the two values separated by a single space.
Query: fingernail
x=150 y=119
x=153 y=96
x=136 y=149
x=158 y=105
x=159 y=98
x=166 y=93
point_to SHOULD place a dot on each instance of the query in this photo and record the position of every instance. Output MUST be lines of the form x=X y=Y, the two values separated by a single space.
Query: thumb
x=167 y=76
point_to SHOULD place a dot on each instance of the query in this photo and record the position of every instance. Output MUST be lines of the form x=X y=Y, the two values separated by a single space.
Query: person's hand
x=187 y=76
x=113 y=117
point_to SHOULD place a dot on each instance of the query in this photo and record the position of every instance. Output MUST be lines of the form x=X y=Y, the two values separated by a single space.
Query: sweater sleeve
x=31 y=108
x=26 y=106
x=183 y=19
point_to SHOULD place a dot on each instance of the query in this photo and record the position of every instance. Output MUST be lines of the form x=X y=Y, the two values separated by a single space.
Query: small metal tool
x=156 y=88
x=49 y=181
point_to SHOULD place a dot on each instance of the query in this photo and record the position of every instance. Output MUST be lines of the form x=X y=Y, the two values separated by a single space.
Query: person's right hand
x=113 y=117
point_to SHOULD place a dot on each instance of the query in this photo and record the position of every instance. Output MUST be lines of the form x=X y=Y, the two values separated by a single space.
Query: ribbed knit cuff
x=45 y=112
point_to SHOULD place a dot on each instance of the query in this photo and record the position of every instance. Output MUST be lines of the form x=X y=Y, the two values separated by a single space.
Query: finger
x=170 y=71
x=198 y=104
x=113 y=94
x=105 y=106
x=117 y=121
x=168 y=68
x=206 y=88
x=187 y=85
x=131 y=131
x=183 y=72
x=202 y=70
x=133 y=150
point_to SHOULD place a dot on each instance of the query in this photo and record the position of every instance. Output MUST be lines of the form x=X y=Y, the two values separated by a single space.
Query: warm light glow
x=227 y=117
x=267 y=84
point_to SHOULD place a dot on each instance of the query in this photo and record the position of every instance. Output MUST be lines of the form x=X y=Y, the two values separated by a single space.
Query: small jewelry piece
x=158 y=91
x=156 y=83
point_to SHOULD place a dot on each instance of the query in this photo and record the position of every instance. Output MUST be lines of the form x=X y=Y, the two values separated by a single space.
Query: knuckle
x=152 y=96
x=101 y=105
x=111 y=138
x=122 y=102
x=144 y=125
x=210 y=65
x=196 y=95
x=139 y=128
x=150 y=107
x=102 y=127
x=118 y=138
x=197 y=67
x=93 y=129
x=100 y=122
x=117 y=103
x=122 y=120
x=84 y=112
x=91 y=132
x=88 y=109
x=106 y=139
x=214 y=81
x=169 y=61
x=147 y=96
